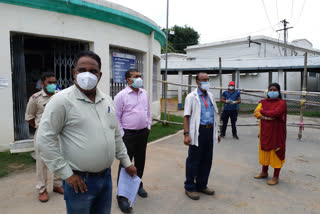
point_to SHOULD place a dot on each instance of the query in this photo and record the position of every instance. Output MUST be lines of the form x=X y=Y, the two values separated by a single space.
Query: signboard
x=121 y=63
x=3 y=82
x=172 y=104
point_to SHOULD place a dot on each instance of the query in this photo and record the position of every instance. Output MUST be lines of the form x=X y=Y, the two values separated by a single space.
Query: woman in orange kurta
x=272 y=113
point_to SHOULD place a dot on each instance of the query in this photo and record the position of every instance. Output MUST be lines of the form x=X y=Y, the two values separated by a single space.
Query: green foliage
x=170 y=48
x=6 y=159
x=158 y=130
x=183 y=36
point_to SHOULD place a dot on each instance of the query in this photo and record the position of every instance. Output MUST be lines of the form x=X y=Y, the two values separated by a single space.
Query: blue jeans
x=199 y=161
x=96 y=201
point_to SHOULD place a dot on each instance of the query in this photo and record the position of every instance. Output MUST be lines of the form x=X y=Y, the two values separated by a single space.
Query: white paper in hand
x=127 y=186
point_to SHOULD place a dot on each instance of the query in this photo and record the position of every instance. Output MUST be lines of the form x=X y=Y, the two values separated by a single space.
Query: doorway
x=30 y=57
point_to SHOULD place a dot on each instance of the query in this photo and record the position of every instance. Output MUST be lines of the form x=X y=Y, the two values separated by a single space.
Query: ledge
x=95 y=12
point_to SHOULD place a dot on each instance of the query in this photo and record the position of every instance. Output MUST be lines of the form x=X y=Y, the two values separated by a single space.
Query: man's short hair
x=197 y=77
x=90 y=54
x=128 y=72
x=46 y=75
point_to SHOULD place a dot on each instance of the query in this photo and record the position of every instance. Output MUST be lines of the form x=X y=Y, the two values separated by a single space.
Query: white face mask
x=205 y=86
x=137 y=82
x=87 y=80
x=231 y=87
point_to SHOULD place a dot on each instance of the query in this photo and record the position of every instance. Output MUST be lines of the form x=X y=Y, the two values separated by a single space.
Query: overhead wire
x=292 y=6
x=298 y=20
x=277 y=11
x=266 y=12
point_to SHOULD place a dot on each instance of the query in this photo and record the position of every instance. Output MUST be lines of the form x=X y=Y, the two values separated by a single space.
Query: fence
x=301 y=101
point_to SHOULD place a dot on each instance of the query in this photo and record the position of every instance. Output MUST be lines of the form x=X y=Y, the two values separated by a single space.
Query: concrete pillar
x=101 y=48
x=270 y=77
x=281 y=79
x=149 y=71
x=180 y=81
x=237 y=78
x=189 y=83
x=6 y=113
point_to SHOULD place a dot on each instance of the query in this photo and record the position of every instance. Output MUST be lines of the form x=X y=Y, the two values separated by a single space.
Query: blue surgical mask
x=273 y=94
x=205 y=86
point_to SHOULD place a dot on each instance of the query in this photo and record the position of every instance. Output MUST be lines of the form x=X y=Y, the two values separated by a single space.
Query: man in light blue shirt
x=200 y=133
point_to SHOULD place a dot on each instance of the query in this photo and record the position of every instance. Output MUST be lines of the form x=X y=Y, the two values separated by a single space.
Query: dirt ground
x=234 y=165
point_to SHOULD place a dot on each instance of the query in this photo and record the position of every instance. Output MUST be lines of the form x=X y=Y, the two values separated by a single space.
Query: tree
x=183 y=36
x=170 y=48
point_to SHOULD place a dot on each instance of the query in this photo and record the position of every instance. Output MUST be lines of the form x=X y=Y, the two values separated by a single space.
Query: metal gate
x=19 y=90
x=64 y=53
x=115 y=88
x=61 y=52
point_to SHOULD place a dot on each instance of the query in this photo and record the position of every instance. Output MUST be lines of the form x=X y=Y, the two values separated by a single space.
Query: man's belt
x=91 y=174
x=134 y=131
x=208 y=126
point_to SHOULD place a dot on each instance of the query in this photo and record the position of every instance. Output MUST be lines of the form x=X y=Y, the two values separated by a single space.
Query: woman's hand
x=265 y=118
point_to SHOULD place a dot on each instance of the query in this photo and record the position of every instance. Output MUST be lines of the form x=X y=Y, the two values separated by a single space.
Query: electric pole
x=285 y=35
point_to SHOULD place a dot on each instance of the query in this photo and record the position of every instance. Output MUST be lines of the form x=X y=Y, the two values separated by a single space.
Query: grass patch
x=13 y=162
x=306 y=114
x=158 y=130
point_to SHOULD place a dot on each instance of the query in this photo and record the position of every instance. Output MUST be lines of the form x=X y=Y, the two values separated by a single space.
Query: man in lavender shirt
x=133 y=113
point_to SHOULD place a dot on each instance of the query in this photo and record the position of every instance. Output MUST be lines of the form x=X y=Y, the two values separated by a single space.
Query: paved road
x=234 y=165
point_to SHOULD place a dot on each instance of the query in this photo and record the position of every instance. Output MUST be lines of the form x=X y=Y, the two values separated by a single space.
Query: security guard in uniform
x=35 y=109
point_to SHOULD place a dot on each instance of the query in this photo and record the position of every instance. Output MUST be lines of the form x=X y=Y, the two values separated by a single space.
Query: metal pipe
x=166 y=68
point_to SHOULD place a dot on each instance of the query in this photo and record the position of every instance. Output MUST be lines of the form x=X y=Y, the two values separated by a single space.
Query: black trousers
x=136 y=143
x=199 y=161
x=233 y=115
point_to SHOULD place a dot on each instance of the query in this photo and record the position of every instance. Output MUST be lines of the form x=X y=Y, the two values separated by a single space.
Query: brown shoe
x=58 y=190
x=207 y=191
x=193 y=195
x=43 y=197
x=261 y=175
x=273 y=181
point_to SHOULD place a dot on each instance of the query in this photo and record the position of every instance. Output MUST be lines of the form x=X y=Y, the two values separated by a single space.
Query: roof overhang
x=96 y=12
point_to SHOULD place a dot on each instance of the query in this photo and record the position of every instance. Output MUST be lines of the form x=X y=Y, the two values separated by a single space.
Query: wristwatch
x=184 y=133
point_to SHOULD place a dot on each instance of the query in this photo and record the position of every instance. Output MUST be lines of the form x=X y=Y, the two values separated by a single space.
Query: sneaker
x=192 y=195
x=236 y=137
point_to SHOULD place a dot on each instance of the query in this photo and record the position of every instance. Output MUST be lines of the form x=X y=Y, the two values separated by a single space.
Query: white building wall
x=51 y=24
x=228 y=51
x=242 y=50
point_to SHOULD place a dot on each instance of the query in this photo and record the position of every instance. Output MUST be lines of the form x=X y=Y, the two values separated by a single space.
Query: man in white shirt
x=200 y=134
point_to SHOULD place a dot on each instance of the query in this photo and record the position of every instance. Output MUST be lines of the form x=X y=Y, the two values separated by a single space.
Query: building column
x=148 y=66
x=180 y=81
x=189 y=83
x=270 y=77
x=101 y=48
x=281 y=78
x=237 y=78
x=6 y=96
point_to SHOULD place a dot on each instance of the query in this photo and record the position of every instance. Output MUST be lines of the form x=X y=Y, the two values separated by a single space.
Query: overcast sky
x=218 y=20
